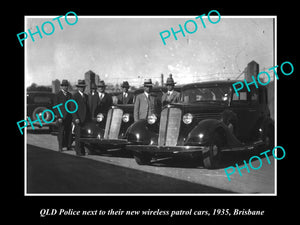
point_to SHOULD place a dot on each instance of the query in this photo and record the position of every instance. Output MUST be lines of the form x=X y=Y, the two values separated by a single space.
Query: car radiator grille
x=170 y=120
x=113 y=123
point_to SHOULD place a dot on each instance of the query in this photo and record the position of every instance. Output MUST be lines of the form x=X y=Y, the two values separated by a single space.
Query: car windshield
x=42 y=99
x=202 y=94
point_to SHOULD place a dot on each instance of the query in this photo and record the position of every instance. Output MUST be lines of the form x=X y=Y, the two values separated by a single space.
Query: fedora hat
x=81 y=83
x=170 y=80
x=125 y=84
x=64 y=83
x=101 y=83
x=148 y=83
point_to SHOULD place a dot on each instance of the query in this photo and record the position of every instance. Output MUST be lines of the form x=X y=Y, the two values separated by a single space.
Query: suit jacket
x=82 y=111
x=104 y=104
x=173 y=98
x=93 y=102
x=143 y=107
x=61 y=98
x=127 y=100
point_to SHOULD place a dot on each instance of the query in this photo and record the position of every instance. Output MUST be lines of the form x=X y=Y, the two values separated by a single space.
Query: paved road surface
x=52 y=172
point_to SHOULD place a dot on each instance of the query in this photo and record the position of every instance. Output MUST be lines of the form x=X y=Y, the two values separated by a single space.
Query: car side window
x=254 y=96
x=263 y=97
x=241 y=98
x=42 y=99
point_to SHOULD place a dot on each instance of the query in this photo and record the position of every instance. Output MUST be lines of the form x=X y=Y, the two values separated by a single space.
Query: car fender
x=140 y=133
x=91 y=129
x=267 y=126
x=202 y=133
x=268 y=122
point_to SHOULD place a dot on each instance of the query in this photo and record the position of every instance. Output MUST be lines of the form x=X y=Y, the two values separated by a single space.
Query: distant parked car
x=37 y=102
x=210 y=120
x=108 y=131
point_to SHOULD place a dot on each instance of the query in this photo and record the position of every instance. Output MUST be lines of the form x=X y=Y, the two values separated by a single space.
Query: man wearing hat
x=105 y=99
x=145 y=103
x=64 y=119
x=81 y=115
x=125 y=97
x=93 y=100
x=171 y=96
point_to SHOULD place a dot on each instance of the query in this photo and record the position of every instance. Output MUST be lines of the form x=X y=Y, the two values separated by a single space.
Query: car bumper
x=37 y=124
x=161 y=150
x=105 y=142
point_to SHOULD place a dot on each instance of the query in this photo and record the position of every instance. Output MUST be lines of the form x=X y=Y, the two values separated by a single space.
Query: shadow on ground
x=53 y=172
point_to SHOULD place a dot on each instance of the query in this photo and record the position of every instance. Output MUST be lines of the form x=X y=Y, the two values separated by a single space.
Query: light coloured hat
x=148 y=83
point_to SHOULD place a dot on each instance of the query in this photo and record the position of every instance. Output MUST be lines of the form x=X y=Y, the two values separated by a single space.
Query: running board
x=245 y=147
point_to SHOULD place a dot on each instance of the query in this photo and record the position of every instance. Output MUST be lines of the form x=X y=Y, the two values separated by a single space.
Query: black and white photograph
x=159 y=100
x=172 y=116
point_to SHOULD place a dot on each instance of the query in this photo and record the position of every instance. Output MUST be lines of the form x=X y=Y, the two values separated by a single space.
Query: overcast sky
x=131 y=49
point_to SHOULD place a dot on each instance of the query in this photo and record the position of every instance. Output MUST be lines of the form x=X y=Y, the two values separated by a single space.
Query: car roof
x=209 y=83
x=217 y=83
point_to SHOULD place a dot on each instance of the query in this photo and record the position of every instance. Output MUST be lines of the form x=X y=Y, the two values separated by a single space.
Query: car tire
x=142 y=159
x=212 y=156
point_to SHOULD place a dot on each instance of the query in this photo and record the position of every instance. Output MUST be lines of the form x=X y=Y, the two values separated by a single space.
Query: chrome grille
x=113 y=123
x=169 y=128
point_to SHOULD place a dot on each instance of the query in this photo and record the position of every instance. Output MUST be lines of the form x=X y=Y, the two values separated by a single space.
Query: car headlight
x=187 y=118
x=125 y=118
x=151 y=119
x=99 y=117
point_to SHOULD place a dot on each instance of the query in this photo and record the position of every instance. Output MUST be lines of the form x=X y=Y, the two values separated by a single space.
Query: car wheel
x=142 y=159
x=212 y=156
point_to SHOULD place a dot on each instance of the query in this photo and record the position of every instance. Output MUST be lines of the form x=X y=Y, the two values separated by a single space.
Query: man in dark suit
x=145 y=103
x=81 y=115
x=64 y=119
x=93 y=100
x=171 y=96
x=125 y=97
x=105 y=99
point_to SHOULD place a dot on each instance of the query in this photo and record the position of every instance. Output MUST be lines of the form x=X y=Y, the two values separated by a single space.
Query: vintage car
x=107 y=132
x=211 y=119
x=37 y=102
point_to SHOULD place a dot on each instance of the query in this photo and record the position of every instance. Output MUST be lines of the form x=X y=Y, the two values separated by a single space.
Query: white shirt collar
x=147 y=94
x=80 y=93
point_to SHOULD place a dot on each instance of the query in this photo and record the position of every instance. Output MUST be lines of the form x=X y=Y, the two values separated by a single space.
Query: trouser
x=64 y=136
x=79 y=146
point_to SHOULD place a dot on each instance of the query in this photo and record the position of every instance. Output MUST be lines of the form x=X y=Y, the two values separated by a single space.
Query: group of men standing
x=98 y=101
x=147 y=104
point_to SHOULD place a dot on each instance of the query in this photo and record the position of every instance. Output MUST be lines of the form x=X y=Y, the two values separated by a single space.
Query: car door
x=246 y=108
